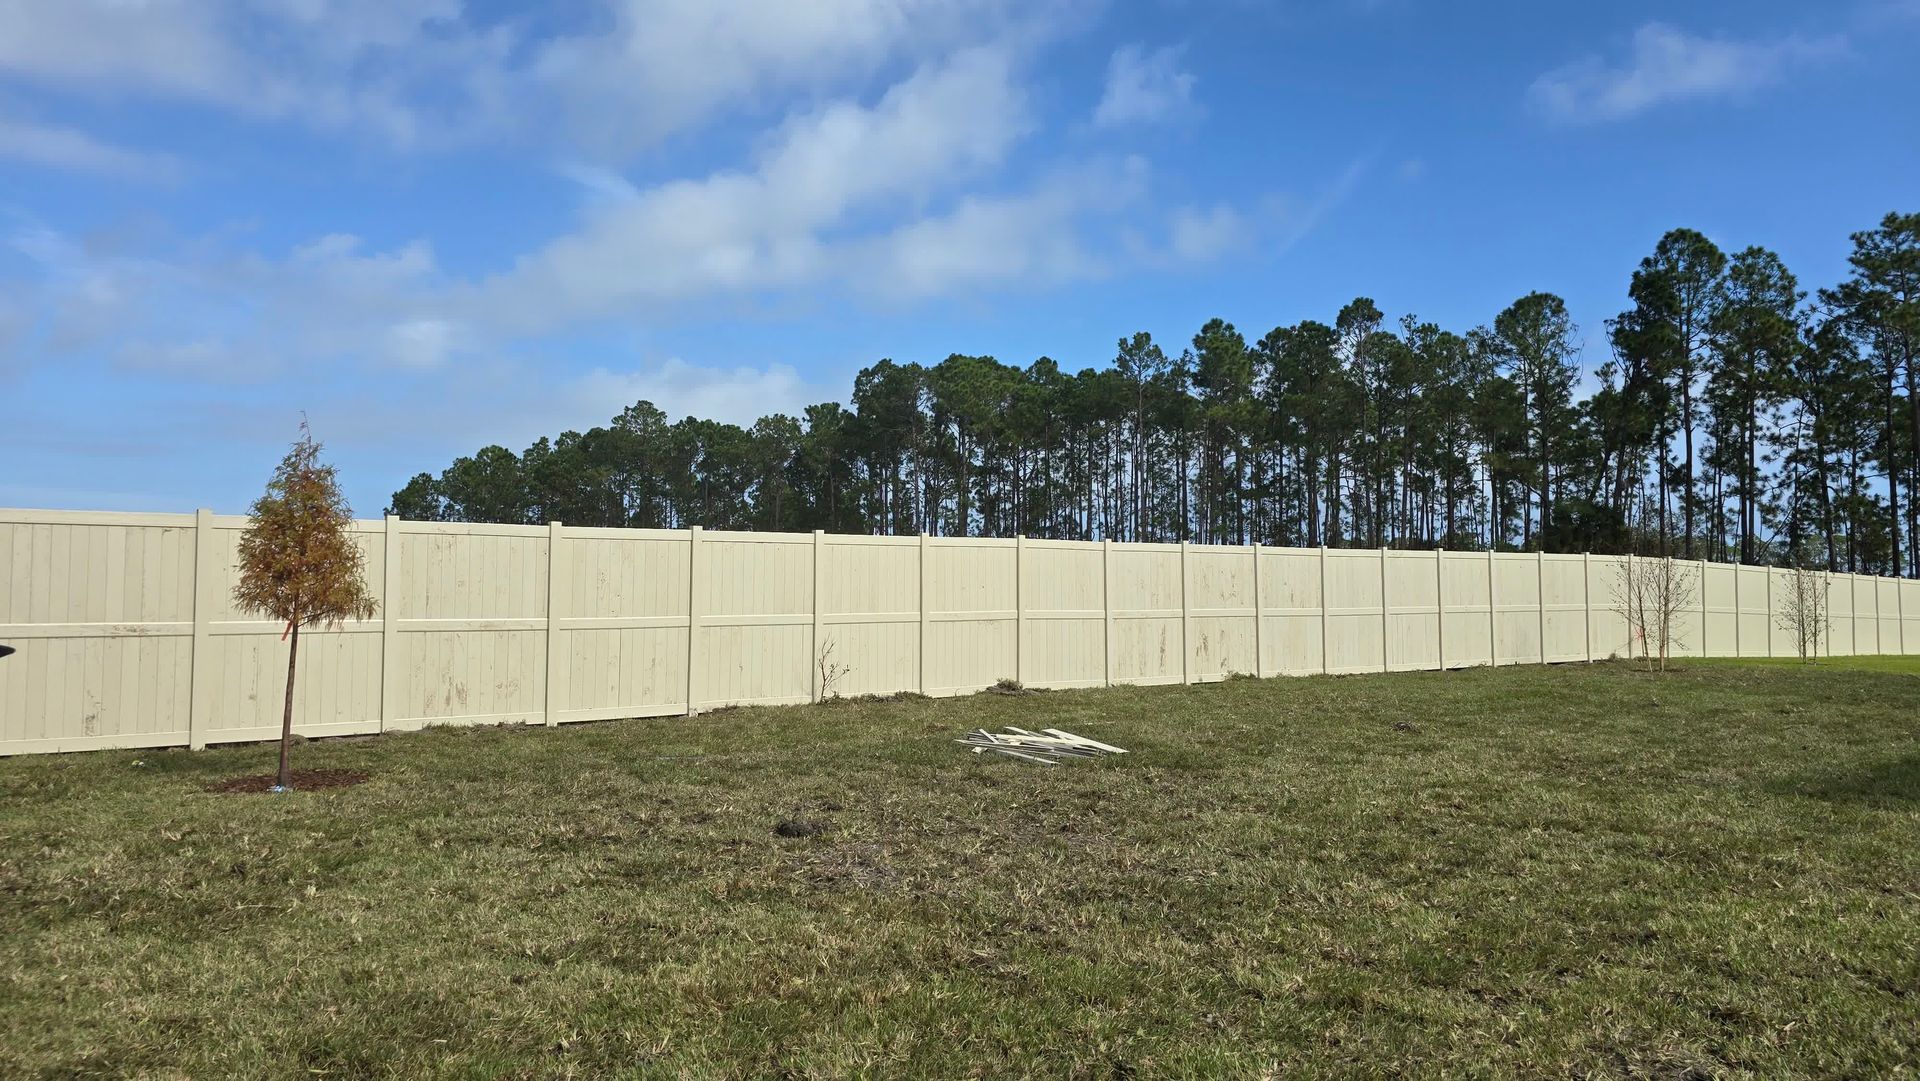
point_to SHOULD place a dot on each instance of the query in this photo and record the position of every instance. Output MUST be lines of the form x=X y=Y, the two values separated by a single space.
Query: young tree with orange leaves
x=299 y=563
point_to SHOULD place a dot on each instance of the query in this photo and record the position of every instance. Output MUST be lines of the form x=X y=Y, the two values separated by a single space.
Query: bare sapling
x=1650 y=595
x=831 y=671
x=1803 y=611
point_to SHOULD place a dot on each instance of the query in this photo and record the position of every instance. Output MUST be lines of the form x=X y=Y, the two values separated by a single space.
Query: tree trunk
x=285 y=779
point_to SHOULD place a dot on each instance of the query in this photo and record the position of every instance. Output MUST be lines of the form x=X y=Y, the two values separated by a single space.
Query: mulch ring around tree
x=304 y=780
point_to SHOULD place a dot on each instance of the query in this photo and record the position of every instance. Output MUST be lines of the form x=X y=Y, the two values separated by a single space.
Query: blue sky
x=433 y=225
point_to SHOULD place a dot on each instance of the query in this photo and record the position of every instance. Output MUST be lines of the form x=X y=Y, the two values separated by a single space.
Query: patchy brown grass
x=1567 y=872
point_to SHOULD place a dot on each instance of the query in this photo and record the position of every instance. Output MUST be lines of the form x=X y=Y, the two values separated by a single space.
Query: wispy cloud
x=621 y=76
x=1144 y=88
x=72 y=150
x=1666 y=64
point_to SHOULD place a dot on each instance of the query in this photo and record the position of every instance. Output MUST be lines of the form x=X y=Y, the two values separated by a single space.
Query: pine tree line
x=1738 y=418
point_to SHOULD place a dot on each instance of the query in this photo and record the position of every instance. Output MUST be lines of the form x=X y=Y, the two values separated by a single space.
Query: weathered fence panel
x=128 y=636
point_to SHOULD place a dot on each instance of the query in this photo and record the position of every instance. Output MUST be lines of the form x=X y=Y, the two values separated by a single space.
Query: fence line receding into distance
x=128 y=636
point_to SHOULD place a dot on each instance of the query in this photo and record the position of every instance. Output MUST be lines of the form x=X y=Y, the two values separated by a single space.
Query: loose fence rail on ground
x=128 y=636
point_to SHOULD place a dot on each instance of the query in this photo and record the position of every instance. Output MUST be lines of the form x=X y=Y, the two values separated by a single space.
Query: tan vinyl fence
x=128 y=636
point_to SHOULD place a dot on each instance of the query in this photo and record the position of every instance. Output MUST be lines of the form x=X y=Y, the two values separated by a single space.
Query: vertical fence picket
x=1186 y=621
x=693 y=621
x=1540 y=597
x=556 y=574
x=1386 y=635
x=1493 y=613
x=926 y=607
x=205 y=596
x=1106 y=606
x=1326 y=654
x=813 y=648
x=1020 y=608
x=390 y=626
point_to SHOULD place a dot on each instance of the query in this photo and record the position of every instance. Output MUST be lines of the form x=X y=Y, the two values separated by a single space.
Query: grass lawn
x=1576 y=871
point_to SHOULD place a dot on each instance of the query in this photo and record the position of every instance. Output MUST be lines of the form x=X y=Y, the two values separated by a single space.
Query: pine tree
x=299 y=564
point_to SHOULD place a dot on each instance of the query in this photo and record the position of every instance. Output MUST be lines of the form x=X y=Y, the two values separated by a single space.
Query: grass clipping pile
x=1047 y=747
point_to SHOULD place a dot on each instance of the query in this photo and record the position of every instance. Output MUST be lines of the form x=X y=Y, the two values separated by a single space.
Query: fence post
x=1386 y=637
x=1106 y=605
x=1586 y=598
x=693 y=620
x=1702 y=586
x=1899 y=613
x=1769 y=573
x=1627 y=602
x=1440 y=605
x=1879 y=632
x=1020 y=608
x=1853 y=614
x=200 y=685
x=1493 y=615
x=1540 y=595
x=390 y=628
x=1186 y=621
x=1736 y=610
x=819 y=587
x=926 y=604
x=1259 y=655
x=556 y=573
x=1326 y=655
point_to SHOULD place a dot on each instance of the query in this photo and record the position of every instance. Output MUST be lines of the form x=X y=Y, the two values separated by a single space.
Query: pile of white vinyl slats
x=1048 y=747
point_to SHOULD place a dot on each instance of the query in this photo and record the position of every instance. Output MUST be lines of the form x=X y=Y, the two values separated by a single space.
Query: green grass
x=1576 y=871
x=1909 y=666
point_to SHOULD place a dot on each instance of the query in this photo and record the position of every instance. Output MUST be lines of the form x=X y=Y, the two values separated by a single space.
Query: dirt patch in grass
x=800 y=826
x=303 y=780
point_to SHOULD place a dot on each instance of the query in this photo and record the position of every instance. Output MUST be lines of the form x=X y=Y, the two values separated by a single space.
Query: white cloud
x=1144 y=88
x=772 y=226
x=205 y=313
x=914 y=191
x=76 y=151
x=618 y=76
x=739 y=395
x=1202 y=235
x=659 y=66
x=1668 y=64
x=398 y=68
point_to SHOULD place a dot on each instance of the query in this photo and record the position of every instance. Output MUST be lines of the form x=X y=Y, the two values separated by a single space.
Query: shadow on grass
x=1894 y=781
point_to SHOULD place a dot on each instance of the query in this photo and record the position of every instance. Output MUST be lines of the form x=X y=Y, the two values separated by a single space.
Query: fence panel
x=128 y=635
x=1565 y=624
x=1220 y=612
x=241 y=679
x=1290 y=611
x=756 y=619
x=101 y=610
x=870 y=609
x=1606 y=617
x=1355 y=611
x=974 y=631
x=1412 y=584
x=1063 y=597
x=470 y=624
x=1147 y=604
x=1516 y=589
x=1467 y=631
x=620 y=623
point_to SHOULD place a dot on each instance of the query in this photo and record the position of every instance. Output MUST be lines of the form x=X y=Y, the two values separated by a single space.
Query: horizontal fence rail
x=127 y=634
